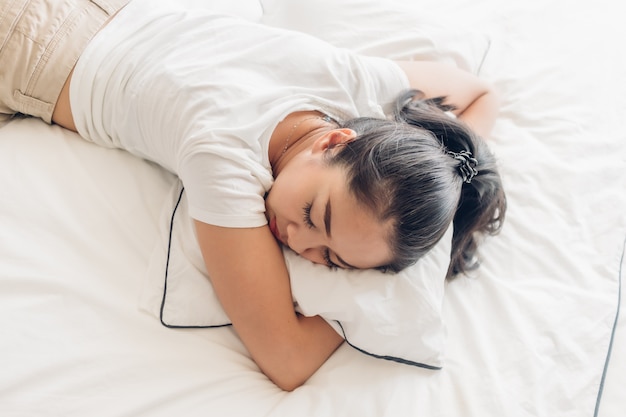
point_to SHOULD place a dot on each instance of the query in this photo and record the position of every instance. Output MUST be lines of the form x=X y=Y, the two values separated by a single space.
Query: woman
x=277 y=137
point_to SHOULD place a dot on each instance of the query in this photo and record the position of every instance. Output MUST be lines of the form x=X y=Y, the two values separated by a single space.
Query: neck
x=295 y=134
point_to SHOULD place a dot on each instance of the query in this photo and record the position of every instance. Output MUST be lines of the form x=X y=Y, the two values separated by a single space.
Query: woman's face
x=310 y=209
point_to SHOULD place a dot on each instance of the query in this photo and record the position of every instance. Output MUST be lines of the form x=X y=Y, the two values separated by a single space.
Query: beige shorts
x=40 y=42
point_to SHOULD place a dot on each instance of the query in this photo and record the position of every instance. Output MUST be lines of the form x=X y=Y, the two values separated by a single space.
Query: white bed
x=535 y=332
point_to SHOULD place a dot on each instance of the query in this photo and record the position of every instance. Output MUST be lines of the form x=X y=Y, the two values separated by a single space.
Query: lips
x=274 y=230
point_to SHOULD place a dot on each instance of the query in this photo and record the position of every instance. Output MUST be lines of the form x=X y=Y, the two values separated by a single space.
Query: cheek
x=280 y=198
x=292 y=189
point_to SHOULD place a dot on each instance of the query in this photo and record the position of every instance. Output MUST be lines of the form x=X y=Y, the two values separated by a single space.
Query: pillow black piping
x=386 y=357
x=167 y=268
x=176 y=326
x=610 y=349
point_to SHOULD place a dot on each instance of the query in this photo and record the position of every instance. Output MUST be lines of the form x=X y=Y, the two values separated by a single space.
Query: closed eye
x=329 y=262
x=307 y=215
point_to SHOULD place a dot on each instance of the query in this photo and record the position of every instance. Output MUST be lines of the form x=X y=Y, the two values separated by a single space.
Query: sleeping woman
x=278 y=138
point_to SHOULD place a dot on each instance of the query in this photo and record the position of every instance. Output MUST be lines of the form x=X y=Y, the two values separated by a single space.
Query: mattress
x=536 y=331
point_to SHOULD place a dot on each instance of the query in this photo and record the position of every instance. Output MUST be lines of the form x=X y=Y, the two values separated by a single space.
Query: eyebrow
x=327 y=214
x=327 y=217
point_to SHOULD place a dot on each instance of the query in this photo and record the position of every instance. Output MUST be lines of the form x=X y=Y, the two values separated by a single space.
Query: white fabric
x=528 y=334
x=205 y=109
x=395 y=316
x=397 y=29
x=246 y=9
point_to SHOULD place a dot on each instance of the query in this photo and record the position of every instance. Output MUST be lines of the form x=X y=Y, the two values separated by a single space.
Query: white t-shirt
x=201 y=93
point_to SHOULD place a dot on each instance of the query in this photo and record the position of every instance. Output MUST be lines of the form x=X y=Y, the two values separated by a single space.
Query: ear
x=333 y=138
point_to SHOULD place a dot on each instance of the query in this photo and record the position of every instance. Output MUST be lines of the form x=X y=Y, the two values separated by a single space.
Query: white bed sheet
x=527 y=336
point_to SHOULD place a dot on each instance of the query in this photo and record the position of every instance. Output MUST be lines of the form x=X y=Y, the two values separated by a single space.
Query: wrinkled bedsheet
x=532 y=333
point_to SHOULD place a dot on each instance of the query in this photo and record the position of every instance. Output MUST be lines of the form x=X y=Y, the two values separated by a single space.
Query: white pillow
x=394 y=29
x=390 y=316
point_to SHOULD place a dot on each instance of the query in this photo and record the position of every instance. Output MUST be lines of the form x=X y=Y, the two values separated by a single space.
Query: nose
x=306 y=242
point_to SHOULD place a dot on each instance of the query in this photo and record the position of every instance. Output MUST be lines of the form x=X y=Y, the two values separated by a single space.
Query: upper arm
x=248 y=273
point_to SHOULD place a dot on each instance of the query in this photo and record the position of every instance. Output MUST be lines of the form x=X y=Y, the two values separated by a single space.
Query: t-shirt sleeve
x=225 y=187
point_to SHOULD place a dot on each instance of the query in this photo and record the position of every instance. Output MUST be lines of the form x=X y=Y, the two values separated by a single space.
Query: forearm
x=286 y=346
x=295 y=352
x=250 y=278
x=475 y=100
x=481 y=114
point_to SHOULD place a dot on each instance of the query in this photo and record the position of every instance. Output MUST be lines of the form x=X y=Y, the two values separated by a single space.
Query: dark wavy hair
x=402 y=169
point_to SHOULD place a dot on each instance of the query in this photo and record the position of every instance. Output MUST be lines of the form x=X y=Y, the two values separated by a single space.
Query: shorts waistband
x=41 y=41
